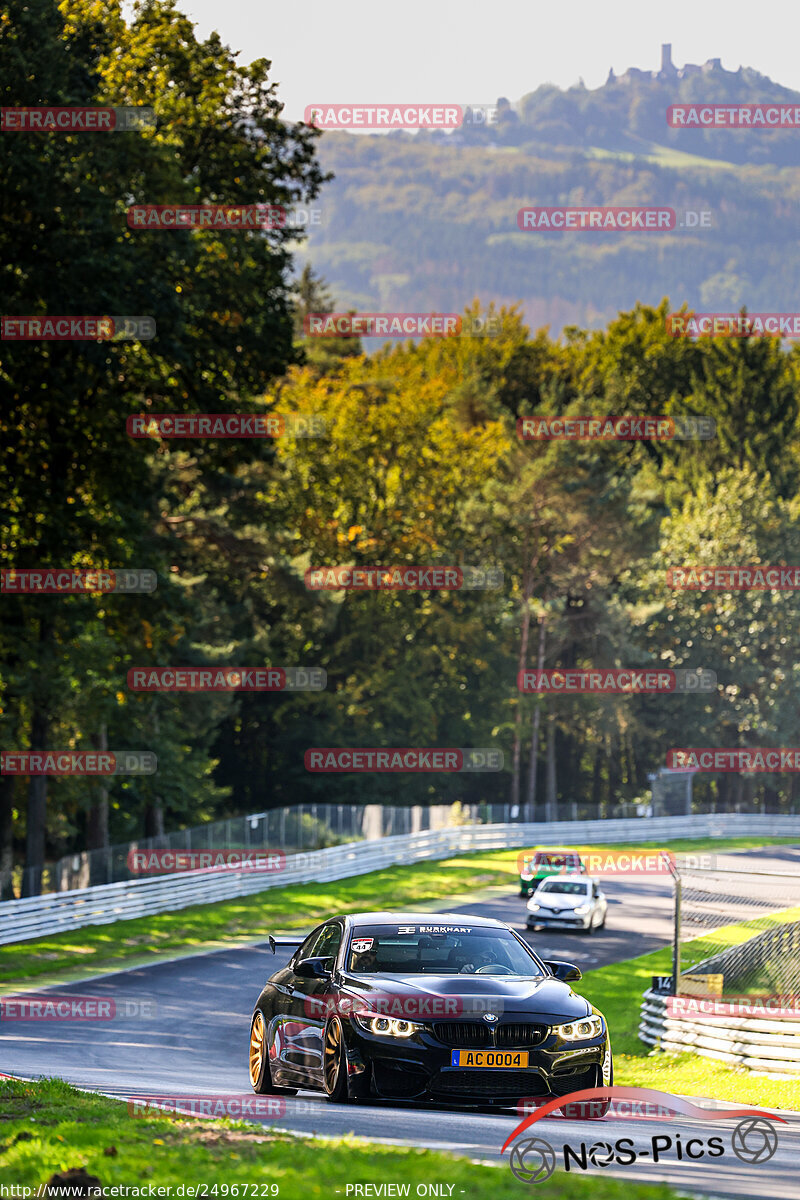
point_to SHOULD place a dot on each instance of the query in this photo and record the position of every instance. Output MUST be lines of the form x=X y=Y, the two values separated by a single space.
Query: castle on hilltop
x=669 y=70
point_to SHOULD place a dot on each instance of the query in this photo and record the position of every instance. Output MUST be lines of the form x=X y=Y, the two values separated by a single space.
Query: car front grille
x=462 y=1034
x=476 y=1035
x=516 y=1034
x=513 y=1084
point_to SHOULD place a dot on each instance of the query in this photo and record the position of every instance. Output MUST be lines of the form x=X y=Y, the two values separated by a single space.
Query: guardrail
x=56 y=912
x=758 y=1043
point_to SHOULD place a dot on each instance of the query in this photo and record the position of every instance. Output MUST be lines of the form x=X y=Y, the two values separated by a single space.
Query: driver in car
x=481 y=959
x=366 y=961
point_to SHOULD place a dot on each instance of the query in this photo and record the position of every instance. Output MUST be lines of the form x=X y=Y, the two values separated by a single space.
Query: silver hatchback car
x=564 y=902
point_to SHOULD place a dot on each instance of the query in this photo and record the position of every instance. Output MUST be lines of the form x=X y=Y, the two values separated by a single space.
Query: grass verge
x=49 y=1127
x=617 y=991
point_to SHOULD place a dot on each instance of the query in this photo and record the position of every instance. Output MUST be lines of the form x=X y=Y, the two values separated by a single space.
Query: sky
x=472 y=51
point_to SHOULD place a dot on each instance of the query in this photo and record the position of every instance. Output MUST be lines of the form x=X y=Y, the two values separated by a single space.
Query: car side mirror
x=566 y=972
x=312 y=968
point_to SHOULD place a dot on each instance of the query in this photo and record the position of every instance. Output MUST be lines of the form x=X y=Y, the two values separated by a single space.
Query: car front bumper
x=420 y=1068
x=560 y=921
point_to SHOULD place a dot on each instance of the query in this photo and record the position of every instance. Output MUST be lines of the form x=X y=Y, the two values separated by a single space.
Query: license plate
x=489 y=1058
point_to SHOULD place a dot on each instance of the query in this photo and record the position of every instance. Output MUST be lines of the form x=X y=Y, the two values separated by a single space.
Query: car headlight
x=582 y=910
x=533 y=907
x=386 y=1026
x=581 y=1031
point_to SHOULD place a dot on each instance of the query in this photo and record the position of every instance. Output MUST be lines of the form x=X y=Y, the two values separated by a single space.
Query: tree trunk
x=97 y=825
x=738 y=796
x=723 y=799
x=613 y=775
x=37 y=810
x=597 y=769
x=6 y=836
x=154 y=820
x=537 y=714
x=551 y=801
x=523 y=656
x=154 y=812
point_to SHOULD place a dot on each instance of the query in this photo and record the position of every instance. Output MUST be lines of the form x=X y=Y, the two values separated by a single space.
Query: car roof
x=423 y=918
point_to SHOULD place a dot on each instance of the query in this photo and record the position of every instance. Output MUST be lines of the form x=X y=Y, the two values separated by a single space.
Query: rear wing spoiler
x=285 y=941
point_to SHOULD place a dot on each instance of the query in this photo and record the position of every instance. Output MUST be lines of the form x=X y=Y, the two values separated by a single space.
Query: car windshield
x=438 y=949
x=566 y=887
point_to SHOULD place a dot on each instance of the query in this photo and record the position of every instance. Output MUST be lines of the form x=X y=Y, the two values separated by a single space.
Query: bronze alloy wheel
x=334 y=1062
x=257 y=1035
x=260 y=1075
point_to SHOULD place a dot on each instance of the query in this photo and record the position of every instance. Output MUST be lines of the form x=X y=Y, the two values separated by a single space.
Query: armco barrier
x=770 y=1047
x=40 y=916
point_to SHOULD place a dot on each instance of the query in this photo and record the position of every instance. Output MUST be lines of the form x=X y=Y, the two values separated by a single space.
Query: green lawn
x=97 y=948
x=663 y=156
x=617 y=991
x=50 y=1127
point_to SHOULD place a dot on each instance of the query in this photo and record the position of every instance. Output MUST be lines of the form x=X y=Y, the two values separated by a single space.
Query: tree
x=79 y=492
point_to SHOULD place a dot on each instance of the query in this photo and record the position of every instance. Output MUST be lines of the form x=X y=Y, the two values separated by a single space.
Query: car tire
x=589 y=930
x=334 y=1063
x=260 y=1077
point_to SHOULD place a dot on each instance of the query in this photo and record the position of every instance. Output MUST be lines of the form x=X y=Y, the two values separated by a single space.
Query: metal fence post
x=676 y=931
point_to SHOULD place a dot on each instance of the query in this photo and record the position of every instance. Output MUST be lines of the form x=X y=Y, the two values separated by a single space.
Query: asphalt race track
x=181 y=1029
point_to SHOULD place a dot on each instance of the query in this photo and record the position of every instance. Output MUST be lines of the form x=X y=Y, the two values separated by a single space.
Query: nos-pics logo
x=754 y=1140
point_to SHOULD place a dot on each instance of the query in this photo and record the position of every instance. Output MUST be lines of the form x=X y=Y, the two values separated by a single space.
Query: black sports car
x=412 y=1006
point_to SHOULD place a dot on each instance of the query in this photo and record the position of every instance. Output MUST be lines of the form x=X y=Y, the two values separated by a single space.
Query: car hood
x=545 y=998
